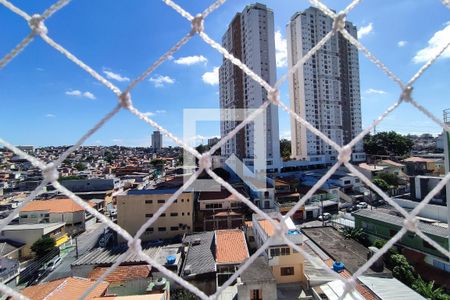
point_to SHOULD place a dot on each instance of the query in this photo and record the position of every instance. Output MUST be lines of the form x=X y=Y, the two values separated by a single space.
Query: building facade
x=325 y=91
x=286 y=263
x=156 y=141
x=135 y=207
x=250 y=38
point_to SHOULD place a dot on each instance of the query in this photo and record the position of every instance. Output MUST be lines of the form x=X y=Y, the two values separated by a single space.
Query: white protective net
x=50 y=173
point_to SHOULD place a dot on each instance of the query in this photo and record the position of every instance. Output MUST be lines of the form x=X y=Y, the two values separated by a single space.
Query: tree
x=285 y=149
x=402 y=270
x=182 y=294
x=381 y=184
x=80 y=166
x=379 y=243
x=157 y=162
x=389 y=178
x=43 y=246
x=428 y=290
x=202 y=148
x=387 y=143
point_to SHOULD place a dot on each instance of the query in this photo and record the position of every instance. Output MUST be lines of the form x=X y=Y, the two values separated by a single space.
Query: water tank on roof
x=338 y=266
x=171 y=259
x=160 y=281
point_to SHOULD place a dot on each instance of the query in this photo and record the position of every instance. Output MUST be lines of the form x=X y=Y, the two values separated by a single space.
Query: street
x=86 y=241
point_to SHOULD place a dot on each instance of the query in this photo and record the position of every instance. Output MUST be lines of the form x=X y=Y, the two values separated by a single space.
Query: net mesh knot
x=339 y=22
x=410 y=224
x=50 y=173
x=135 y=245
x=274 y=96
x=406 y=94
x=197 y=24
x=205 y=161
x=345 y=154
x=125 y=100
x=36 y=24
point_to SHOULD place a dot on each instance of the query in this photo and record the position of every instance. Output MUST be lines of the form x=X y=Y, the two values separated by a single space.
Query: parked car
x=352 y=208
x=324 y=217
x=51 y=266
x=362 y=205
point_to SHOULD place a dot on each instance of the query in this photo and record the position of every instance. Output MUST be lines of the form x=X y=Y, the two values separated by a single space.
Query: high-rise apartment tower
x=325 y=91
x=250 y=37
x=156 y=141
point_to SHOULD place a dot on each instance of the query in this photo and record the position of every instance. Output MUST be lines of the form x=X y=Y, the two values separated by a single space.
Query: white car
x=54 y=263
x=324 y=217
x=362 y=205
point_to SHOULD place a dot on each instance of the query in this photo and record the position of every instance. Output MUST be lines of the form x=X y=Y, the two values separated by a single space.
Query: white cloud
x=212 y=77
x=117 y=141
x=89 y=95
x=374 y=91
x=191 y=60
x=40 y=69
x=365 y=30
x=435 y=44
x=50 y=116
x=115 y=76
x=78 y=93
x=160 y=80
x=149 y=114
x=156 y=112
x=280 y=50
x=401 y=44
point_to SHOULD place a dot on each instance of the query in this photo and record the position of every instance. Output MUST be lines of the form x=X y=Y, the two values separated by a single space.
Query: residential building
x=212 y=141
x=250 y=38
x=384 y=226
x=199 y=266
x=231 y=251
x=54 y=211
x=416 y=165
x=383 y=166
x=10 y=248
x=324 y=91
x=92 y=263
x=66 y=288
x=156 y=141
x=286 y=263
x=257 y=281
x=421 y=186
x=30 y=233
x=219 y=210
x=135 y=207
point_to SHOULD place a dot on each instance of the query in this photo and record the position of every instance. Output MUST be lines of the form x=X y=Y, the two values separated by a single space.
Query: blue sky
x=46 y=99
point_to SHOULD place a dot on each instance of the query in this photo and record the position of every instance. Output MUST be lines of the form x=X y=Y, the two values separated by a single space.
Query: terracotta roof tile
x=122 y=273
x=67 y=288
x=267 y=226
x=231 y=246
x=53 y=206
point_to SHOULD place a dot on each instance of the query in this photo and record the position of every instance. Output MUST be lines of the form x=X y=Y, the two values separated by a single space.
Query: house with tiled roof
x=231 y=251
x=53 y=211
x=66 y=288
x=286 y=263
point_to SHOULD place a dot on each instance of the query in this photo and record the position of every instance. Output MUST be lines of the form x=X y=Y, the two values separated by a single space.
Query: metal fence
x=50 y=173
